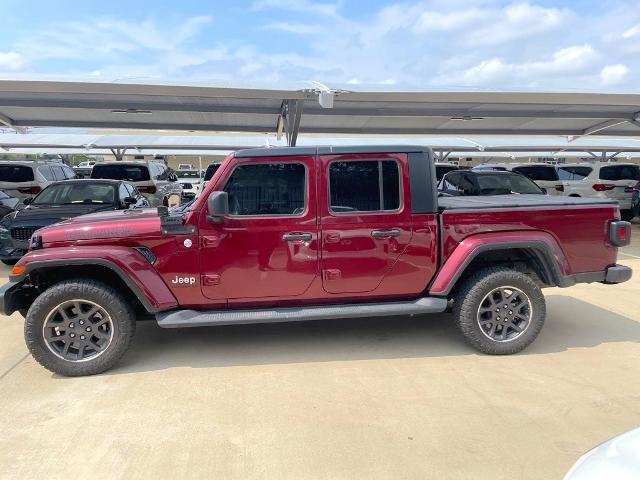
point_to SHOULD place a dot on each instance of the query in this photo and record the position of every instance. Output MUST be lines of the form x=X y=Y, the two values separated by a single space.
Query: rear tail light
x=620 y=233
x=30 y=190
x=560 y=188
x=601 y=187
x=151 y=189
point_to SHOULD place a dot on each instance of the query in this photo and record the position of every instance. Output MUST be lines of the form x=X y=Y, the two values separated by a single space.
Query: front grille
x=22 y=233
x=187 y=185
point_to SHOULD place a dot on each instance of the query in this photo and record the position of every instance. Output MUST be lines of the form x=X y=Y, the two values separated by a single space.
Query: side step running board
x=209 y=318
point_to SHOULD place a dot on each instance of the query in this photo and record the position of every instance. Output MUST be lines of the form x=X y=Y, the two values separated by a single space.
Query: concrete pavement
x=383 y=398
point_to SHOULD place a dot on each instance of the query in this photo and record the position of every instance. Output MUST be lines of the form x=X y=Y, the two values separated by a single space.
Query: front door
x=365 y=223
x=267 y=246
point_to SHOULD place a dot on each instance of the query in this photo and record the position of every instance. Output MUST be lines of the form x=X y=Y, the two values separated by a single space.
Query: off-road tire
x=626 y=215
x=123 y=321
x=470 y=295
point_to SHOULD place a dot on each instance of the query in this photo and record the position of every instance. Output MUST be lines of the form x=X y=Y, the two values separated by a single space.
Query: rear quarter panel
x=581 y=231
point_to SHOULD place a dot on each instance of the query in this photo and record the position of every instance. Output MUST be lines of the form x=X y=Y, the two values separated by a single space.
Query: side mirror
x=217 y=206
x=129 y=201
x=27 y=201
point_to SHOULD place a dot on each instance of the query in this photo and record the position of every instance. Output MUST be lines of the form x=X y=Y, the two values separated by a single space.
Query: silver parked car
x=153 y=179
x=26 y=178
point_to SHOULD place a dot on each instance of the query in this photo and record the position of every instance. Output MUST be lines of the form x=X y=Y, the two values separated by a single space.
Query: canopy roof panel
x=69 y=104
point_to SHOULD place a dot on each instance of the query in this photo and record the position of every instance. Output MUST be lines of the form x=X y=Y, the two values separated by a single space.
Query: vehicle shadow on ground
x=571 y=323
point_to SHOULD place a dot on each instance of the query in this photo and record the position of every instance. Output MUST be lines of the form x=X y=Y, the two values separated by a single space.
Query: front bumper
x=11 y=249
x=3 y=291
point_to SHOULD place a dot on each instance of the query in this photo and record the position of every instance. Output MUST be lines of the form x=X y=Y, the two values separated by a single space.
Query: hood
x=113 y=224
x=42 y=215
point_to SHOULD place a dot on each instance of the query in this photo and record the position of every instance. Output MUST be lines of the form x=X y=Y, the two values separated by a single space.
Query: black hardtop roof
x=320 y=150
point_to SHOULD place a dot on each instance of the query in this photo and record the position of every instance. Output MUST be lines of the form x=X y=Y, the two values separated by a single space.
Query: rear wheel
x=79 y=327
x=627 y=215
x=499 y=310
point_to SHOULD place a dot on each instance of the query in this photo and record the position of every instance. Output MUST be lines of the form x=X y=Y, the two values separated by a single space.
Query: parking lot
x=382 y=398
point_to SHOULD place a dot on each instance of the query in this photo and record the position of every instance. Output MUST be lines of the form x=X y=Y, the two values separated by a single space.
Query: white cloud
x=632 y=32
x=564 y=62
x=304 y=6
x=297 y=28
x=11 y=61
x=613 y=74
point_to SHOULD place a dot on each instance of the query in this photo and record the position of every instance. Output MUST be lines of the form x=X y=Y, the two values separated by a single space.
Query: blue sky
x=582 y=45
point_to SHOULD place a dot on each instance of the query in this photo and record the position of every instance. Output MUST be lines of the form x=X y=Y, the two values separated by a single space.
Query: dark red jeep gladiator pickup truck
x=307 y=234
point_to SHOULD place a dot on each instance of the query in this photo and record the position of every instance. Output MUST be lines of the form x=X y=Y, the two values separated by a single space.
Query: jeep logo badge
x=183 y=280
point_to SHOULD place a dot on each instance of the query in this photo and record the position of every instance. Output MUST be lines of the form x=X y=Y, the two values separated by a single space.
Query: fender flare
x=543 y=247
x=128 y=264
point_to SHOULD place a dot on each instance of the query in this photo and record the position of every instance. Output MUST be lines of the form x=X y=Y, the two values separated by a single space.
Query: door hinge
x=332 y=274
x=210 y=280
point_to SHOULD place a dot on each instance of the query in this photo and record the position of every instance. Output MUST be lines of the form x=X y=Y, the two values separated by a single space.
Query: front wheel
x=499 y=311
x=79 y=327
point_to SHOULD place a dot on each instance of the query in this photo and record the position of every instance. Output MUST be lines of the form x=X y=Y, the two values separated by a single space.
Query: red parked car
x=306 y=234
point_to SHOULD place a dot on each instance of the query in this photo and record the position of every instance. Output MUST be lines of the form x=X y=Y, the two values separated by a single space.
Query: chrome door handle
x=393 y=232
x=297 y=236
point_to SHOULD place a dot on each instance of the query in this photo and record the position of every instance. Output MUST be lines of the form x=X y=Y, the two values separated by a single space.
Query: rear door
x=365 y=222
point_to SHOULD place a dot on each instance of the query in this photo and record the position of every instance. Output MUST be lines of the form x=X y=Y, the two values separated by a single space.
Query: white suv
x=153 y=179
x=190 y=181
x=26 y=178
x=543 y=174
x=601 y=180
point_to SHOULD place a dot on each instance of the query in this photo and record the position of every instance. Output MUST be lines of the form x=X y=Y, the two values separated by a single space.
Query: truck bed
x=514 y=201
x=576 y=224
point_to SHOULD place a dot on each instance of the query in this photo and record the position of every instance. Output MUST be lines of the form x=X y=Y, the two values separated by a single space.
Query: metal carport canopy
x=98 y=105
x=91 y=143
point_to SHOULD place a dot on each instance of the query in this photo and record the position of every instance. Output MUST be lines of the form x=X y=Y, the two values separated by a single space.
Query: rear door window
x=68 y=172
x=131 y=173
x=538 y=172
x=620 y=172
x=46 y=172
x=16 y=173
x=364 y=186
x=58 y=173
x=574 y=173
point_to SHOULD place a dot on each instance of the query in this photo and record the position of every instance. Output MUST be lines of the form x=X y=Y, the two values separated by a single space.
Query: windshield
x=188 y=174
x=16 y=173
x=76 y=193
x=131 y=173
x=538 y=172
x=211 y=170
x=504 y=184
